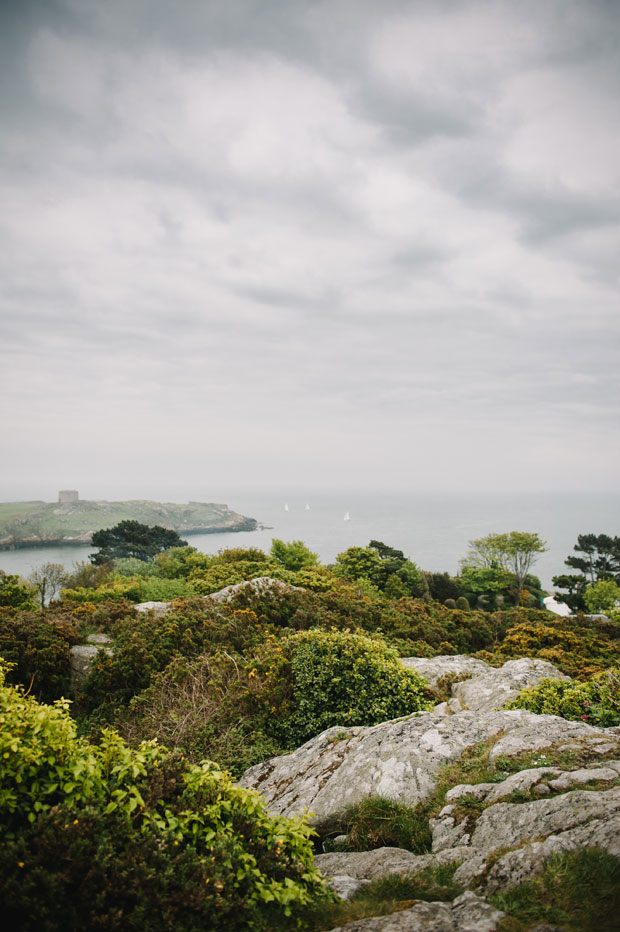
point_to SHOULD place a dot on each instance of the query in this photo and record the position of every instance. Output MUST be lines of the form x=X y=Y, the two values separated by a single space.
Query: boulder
x=486 y=687
x=258 y=585
x=398 y=759
x=433 y=668
x=82 y=656
x=468 y=913
x=494 y=689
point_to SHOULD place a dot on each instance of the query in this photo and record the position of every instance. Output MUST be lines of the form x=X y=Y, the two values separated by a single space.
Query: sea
x=433 y=529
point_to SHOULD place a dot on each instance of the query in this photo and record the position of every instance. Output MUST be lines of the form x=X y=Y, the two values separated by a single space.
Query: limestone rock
x=495 y=688
x=345 y=886
x=371 y=865
x=258 y=585
x=398 y=759
x=81 y=659
x=432 y=668
x=573 y=778
x=158 y=608
x=564 y=823
x=468 y=913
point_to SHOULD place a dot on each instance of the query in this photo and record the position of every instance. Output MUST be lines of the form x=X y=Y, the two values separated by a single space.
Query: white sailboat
x=286 y=506
x=347 y=516
x=307 y=507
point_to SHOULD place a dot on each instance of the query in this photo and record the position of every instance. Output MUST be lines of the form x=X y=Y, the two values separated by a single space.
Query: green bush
x=316 y=679
x=111 y=837
x=596 y=701
x=37 y=645
x=145 y=644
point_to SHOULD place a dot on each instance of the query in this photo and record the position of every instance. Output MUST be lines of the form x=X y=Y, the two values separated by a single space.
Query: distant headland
x=71 y=521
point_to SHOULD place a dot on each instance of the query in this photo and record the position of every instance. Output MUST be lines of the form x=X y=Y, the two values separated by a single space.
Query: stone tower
x=68 y=496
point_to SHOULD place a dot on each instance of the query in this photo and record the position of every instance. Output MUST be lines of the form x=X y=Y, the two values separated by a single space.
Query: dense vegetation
x=168 y=838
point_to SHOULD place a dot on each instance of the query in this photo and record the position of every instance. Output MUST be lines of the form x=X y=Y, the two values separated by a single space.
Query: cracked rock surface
x=397 y=759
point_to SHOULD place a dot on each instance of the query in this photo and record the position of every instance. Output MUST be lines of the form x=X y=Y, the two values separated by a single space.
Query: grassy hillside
x=27 y=524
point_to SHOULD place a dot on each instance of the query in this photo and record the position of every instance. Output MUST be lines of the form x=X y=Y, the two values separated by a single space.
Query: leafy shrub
x=37 y=645
x=604 y=596
x=462 y=604
x=118 y=838
x=145 y=644
x=597 y=701
x=14 y=593
x=140 y=588
x=578 y=645
x=200 y=706
x=316 y=679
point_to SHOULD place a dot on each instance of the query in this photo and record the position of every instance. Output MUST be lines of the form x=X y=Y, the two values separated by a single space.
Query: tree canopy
x=513 y=552
x=132 y=539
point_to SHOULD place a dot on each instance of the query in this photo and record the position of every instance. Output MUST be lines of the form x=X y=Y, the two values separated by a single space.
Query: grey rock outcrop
x=398 y=759
x=486 y=687
x=433 y=668
x=83 y=655
x=534 y=831
x=468 y=913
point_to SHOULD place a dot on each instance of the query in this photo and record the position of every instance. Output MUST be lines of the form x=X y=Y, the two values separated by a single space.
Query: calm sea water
x=433 y=529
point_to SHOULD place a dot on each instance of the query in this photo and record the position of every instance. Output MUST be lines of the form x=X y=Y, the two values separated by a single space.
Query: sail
x=307 y=507
x=286 y=507
x=347 y=516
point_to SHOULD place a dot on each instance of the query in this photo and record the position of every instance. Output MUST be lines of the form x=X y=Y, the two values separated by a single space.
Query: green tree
x=132 y=539
x=360 y=563
x=600 y=557
x=48 y=579
x=603 y=597
x=294 y=555
x=14 y=592
x=514 y=552
x=575 y=584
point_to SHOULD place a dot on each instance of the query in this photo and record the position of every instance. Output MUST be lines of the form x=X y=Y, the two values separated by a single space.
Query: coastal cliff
x=40 y=524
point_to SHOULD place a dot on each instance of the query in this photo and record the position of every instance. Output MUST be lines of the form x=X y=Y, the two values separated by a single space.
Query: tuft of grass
x=387 y=895
x=377 y=822
x=579 y=891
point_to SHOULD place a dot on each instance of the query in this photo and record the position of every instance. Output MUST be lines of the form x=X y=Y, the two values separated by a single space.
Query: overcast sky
x=314 y=243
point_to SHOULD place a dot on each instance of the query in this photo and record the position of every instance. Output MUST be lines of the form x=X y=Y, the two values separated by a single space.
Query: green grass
x=579 y=891
x=387 y=895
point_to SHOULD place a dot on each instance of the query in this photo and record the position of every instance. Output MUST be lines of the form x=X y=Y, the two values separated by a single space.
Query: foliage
x=442 y=586
x=179 y=562
x=134 y=588
x=200 y=707
x=47 y=580
x=294 y=555
x=604 y=597
x=316 y=679
x=132 y=539
x=579 y=889
x=601 y=557
x=37 y=648
x=596 y=701
x=376 y=822
x=87 y=576
x=178 y=840
x=145 y=644
x=578 y=645
x=513 y=552
x=14 y=593
x=576 y=586
x=386 y=568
